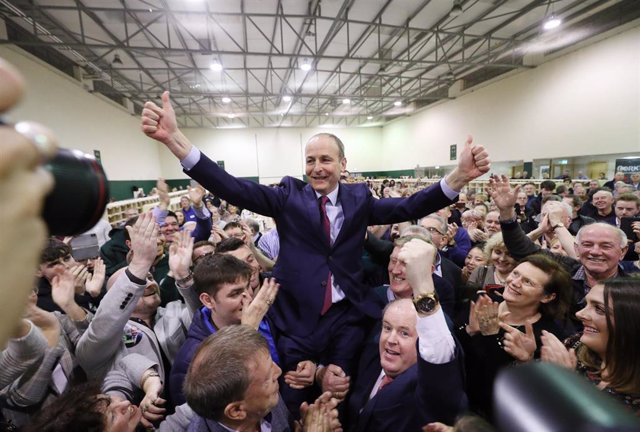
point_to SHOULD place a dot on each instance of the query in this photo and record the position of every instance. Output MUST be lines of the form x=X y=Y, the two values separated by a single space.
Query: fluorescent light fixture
x=369 y=117
x=397 y=103
x=215 y=66
x=552 y=22
x=226 y=99
x=305 y=66
x=346 y=101
x=231 y=115
x=286 y=98
x=326 y=114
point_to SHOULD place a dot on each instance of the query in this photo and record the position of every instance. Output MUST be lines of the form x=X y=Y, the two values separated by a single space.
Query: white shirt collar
x=333 y=195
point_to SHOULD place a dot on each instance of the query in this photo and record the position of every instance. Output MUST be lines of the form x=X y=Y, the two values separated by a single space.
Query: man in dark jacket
x=222 y=282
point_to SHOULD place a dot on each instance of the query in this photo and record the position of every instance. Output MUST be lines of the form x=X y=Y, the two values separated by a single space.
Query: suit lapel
x=347 y=201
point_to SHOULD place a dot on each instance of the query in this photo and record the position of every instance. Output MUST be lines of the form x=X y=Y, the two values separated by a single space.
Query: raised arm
x=160 y=124
x=99 y=343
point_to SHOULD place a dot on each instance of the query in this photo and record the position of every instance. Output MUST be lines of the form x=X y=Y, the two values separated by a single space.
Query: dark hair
x=171 y=214
x=129 y=222
x=253 y=224
x=214 y=270
x=54 y=250
x=230 y=225
x=548 y=185
x=201 y=243
x=559 y=283
x=623 y=350
x=229 y=244
x=561 y=189
x=220 y=372
x=78 y=410
x=628 y=197
x=575 y=200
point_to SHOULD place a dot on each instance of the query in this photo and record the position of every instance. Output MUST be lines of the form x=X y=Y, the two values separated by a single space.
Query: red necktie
x=326 y=226
x=386 y=379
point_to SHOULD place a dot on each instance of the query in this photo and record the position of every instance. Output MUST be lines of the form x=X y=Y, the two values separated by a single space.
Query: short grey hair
x=440 y=219
x=621 y=235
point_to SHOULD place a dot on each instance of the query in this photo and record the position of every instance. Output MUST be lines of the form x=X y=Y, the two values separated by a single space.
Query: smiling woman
x=607 y=352
x=84 y=408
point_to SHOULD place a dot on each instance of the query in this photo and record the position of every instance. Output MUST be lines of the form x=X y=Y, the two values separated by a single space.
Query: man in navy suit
x=321 y=225
x=414 y=375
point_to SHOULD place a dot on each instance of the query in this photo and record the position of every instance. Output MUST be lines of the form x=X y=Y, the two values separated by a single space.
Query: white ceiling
x=375 y=53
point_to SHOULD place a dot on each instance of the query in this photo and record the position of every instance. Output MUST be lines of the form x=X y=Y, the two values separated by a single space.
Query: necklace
x=497 y=277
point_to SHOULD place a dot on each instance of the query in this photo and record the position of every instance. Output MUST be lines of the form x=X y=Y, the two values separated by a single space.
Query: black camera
x=80 y=193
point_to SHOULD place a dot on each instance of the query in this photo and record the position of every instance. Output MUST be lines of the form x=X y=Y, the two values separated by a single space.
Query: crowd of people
x=354 y=312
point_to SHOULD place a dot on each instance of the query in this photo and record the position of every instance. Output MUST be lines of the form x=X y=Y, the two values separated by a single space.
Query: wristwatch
x=426 y=303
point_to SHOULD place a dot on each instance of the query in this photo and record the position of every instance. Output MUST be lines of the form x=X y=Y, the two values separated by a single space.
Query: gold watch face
x=426 y=303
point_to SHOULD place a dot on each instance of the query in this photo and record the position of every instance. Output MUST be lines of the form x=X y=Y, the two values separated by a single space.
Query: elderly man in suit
x=414 y=375
x=321 y=224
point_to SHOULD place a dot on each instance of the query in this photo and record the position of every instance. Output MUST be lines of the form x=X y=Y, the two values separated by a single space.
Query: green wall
x=121 y=189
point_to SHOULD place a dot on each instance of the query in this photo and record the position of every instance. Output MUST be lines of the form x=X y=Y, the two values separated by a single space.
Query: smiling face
x=244 y=254
x=598 y=249
x=492 y=223
x=593 y=318
x=524 y=287
x=398 y=338
x=474 y=259
x=323 y=163
x=120 y=415
x=501 y=260
x=227 y=304
x=397 y=276
x=603 y=201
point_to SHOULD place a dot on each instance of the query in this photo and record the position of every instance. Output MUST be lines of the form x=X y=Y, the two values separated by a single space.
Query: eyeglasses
x=434 y=230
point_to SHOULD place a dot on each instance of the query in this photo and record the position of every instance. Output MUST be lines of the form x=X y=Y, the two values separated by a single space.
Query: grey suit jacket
x=279 y=421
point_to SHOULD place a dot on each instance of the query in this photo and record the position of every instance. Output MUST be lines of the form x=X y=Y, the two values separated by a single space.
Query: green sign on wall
x=453 y=152
x=220 y=164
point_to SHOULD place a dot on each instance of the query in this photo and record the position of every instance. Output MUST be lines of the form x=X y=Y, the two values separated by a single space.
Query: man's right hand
x=160 y=124
x=144 y=244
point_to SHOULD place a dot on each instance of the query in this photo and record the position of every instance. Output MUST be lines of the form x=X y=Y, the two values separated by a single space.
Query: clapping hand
x=554 y=351
x=180 y=253
x=253 y=313
x=519 y=345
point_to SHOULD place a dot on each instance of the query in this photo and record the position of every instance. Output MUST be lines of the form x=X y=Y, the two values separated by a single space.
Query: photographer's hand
x=23 y=187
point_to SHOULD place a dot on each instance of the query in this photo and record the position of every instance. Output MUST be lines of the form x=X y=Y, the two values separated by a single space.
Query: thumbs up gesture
x=472 y=163
x=160 y=124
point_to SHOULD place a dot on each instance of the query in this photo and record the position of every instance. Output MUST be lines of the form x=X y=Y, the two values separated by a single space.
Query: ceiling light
x=215 y=66
x=286 y=98
x=369 y=117
x=552 y=22
x=326 y=114
x=116 y=60
x=456 y=9
x=397 y=103
x=231 y=116
x=226 y=99
x=305 y=66
x=346 y=101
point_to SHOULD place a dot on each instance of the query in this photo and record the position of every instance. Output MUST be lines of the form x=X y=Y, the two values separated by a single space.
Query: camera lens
x=80 y=194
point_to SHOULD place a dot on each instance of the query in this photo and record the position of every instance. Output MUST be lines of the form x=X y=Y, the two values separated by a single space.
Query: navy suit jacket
x=305 y=257
x=422 y=394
